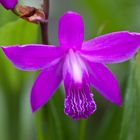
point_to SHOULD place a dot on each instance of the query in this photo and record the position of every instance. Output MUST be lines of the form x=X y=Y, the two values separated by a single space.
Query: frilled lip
x=79 y=102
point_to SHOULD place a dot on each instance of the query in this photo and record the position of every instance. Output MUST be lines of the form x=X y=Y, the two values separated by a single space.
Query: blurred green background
x=109 y=122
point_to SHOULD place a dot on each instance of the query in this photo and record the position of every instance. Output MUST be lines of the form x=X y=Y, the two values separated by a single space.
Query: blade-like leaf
x=18 y=32
x=130 y=129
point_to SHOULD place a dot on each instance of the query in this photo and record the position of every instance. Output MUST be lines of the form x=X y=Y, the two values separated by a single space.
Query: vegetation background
x=109 y=122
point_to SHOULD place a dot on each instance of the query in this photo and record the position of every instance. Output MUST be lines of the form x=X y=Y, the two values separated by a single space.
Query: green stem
x=82 y=132
x=14 y=10
x=40 y=135
x=56 y=120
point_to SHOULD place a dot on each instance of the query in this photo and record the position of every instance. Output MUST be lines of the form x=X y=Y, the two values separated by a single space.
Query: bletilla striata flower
x=80 y=64
x=9 y=4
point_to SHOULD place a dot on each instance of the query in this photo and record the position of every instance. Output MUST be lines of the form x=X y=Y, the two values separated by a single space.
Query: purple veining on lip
x=79 y=102
x=79 y=64
x=9 y=4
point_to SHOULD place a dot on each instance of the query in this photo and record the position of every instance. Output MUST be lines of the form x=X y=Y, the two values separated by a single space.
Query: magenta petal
x=112 y=48
x=45 y=86
x=8 y=4
x=103 y=80
x=71 y=30
x=32 y=57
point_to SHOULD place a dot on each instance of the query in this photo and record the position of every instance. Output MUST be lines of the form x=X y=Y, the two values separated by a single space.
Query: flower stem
x=44 y=26
x=56 y=119
x=15 y=12
x=44 y=37
x=39 y=129
x=82 y=132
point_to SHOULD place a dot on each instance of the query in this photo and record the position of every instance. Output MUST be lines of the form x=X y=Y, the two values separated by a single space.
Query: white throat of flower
x=75 y=66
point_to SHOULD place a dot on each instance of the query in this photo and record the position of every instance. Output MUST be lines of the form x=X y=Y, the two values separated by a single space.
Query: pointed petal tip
x=35 y=106
x=34 y=109
x=3 y=49
x=35 y=103
x=118 y=102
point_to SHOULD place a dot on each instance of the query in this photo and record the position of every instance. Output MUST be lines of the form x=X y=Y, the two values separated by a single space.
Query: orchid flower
x=9 y=4
x=80 y=64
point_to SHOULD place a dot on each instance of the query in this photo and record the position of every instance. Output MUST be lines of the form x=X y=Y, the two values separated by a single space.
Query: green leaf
x=18 y=32
x=3 y=118
x=6 y=16
x=130 y=129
